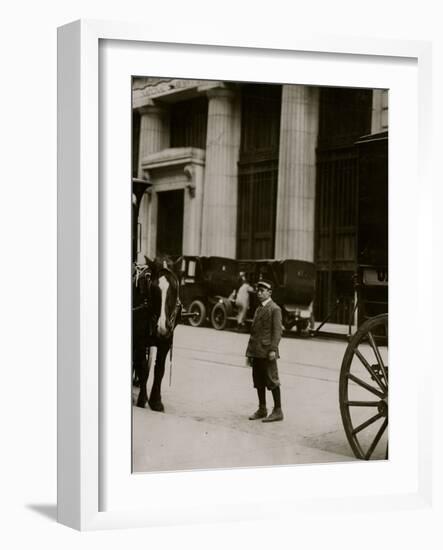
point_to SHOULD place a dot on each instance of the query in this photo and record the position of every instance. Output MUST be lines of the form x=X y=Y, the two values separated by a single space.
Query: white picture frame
x=84 y=211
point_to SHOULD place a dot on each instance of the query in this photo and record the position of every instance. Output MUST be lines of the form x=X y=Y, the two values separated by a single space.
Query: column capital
x=221 y=91
x=151 y=109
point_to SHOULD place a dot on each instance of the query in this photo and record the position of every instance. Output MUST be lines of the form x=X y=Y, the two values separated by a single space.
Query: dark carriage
x=203 y=279
x=363 y=387
x=294 y=289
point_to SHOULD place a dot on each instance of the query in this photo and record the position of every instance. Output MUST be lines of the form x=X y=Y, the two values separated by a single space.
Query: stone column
x=154 y=136
x=379 y=111
x=221 y=174
x=154 y=132
x=145 y=220
x=296 y=173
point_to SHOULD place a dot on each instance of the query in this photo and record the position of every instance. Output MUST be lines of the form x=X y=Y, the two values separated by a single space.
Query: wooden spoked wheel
x=364 y=390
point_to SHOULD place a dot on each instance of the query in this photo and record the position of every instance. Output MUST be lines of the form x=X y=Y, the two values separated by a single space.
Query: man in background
x=241 y=300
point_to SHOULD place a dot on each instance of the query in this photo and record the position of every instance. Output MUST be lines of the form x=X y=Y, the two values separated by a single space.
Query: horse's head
x=163 y=276
x=162 y=266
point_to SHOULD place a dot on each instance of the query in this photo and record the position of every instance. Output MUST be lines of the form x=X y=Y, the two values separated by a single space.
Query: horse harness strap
x=172 y=320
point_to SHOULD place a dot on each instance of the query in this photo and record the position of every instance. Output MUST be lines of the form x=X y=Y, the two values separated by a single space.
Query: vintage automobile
x=203 y=279
x=294 y=289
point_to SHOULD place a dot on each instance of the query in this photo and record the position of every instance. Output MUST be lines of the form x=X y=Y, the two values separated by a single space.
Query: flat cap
x=265 y=284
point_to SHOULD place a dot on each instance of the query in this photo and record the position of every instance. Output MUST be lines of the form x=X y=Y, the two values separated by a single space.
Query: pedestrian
x=262 y=353
x=241 y=299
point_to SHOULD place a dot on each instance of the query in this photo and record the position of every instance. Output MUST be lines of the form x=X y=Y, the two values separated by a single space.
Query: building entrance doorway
x=170 y=223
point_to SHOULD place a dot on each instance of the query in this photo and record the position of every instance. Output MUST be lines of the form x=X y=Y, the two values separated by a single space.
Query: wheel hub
x=383 y=406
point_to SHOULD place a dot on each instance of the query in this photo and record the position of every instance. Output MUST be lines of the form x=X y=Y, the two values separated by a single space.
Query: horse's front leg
x=142 y=372
x=155 y=400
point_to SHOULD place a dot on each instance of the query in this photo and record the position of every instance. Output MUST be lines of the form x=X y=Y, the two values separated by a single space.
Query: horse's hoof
x=141 y=404
x=157 y=406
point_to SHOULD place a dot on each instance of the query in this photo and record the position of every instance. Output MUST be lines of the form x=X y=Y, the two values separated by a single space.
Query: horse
x=156 y=312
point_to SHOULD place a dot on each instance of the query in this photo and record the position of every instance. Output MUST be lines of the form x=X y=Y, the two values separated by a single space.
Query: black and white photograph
x=259 y=274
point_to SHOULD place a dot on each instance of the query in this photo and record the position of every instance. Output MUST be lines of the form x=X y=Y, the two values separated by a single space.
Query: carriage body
x=372 y=230
x=364 y=374
x=371 y=285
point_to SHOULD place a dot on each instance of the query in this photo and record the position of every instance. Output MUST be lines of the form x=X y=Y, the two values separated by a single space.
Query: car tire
x=287 y=321
x=197 y=306
x=219 y=316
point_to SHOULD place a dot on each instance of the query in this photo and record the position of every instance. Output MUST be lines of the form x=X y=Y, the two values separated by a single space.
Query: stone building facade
x=247 y=170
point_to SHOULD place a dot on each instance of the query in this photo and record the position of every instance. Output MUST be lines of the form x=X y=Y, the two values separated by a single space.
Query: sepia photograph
x=259 y=274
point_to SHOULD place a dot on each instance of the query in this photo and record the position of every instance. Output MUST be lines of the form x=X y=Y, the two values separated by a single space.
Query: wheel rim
x=364 y=385
x=199 y=308
x=218 y=317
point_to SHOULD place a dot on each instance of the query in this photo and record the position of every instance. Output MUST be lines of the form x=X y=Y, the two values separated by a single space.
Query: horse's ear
x=163 y=261
x=147 y=260
x=167 y=261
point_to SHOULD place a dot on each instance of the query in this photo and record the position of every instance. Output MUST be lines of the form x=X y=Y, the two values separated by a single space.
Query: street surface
x=206 y=425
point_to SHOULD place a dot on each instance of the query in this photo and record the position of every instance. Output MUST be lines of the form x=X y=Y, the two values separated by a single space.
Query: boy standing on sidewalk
x=262 y=352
